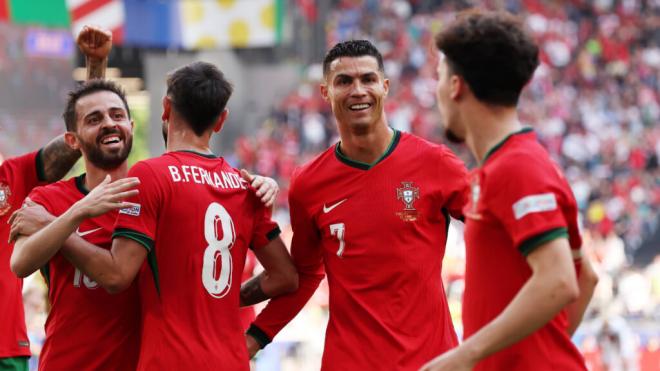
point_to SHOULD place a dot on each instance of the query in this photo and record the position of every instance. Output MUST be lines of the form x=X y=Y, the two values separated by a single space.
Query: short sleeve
x=39 y=196
x=527 y=198
x=453 y=169
x=265 y=229
x=139 y=222
x=18 y=176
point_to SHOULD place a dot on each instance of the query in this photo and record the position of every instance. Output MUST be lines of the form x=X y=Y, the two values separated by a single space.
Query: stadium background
x=594 y=102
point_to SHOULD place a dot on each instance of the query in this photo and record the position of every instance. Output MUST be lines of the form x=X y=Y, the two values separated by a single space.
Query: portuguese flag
x=48 y=13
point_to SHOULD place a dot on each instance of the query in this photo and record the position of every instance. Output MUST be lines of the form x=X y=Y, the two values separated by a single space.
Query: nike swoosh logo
x=85 y=233
x=327 y=209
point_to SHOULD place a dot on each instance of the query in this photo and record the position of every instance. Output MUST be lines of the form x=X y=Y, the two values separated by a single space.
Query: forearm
x=587 y=281
x=96 y=67
x=265 y=286
x=33 y=252
x=96 y=263
x=536 y=304
x=57 y=159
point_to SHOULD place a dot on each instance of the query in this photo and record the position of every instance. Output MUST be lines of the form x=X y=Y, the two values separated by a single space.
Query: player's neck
x=368 y=146
x=94 y=175
x=184 y=139
x=488 y=126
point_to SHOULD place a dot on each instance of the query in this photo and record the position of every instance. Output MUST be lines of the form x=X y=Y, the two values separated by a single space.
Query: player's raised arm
x=57 y=159
x=95 y=43
x=552 y=286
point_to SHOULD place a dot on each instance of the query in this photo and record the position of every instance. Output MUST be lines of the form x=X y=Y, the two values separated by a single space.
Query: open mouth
x=110 y=139
x=359 y=106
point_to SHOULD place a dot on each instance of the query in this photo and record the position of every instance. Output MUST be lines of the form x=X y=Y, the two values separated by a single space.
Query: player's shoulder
x=423 y=147
x=521 y=158
x=311 y=169
x=61 y=186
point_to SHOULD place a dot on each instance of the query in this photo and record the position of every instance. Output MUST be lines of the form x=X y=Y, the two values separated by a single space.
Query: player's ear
x=457 y=87
x=386 y=86
x=221 y=120
x=71 y=140
x=324 y=92
x=167 y=108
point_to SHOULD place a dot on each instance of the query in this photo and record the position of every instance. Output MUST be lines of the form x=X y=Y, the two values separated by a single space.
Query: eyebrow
x=344 y=75
x=98 y=112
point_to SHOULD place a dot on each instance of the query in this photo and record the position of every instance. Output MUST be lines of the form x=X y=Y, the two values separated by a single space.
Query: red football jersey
x=519 y=200
x=87 y=328
x=379 y=233
x=197 y=217
x=18 y=176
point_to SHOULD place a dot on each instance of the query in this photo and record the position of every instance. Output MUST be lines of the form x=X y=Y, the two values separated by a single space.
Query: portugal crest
x=408 y=194
x=5 y=193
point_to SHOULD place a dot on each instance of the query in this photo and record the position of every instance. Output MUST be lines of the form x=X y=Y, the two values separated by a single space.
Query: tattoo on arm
x=251 y=292
x=96 y=68
x=57 y=159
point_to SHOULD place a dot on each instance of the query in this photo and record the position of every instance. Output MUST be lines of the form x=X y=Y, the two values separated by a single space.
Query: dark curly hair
x=492 y=51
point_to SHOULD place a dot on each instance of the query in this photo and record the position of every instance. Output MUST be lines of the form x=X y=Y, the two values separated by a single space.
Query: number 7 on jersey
x=338 y=230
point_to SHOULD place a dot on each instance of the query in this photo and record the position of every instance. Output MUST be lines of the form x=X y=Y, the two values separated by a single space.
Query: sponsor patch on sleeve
x=534 y=204
x=133 y=210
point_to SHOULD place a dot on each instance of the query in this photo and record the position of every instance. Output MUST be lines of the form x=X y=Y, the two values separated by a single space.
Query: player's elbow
x=115 y=284
x=566 y=290
x=288 y=281
x=19 y=268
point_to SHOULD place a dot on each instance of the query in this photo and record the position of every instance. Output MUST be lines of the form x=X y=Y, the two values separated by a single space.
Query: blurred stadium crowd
x=594 y=102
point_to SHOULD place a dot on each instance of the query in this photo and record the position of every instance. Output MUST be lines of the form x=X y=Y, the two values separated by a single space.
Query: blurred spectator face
x=104 y=133
x=356 y=89
x=446 y=92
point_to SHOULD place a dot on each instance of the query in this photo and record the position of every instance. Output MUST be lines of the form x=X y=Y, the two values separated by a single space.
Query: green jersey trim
x=148 y=244
x=80 y=184
x=270 y=235
x=39 y=163
x=532 y=243
x=501 y=143
x=18 y=363
x=207 y=155
x=363 y=165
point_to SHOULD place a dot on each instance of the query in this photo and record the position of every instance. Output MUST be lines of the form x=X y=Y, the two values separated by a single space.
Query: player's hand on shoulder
x=95 y=42
x=266 y=188
x=252 y=345
x=452 y=360
x=107 y=196
x=28 y=220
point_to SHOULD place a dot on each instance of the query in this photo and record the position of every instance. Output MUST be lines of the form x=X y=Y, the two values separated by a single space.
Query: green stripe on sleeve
x=148 y=244
x=532 y=243
x=258 y=335
x=138 y=237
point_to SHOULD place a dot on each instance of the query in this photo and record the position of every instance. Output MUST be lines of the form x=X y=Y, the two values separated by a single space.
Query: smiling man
x=372 y=213
x=86 y=327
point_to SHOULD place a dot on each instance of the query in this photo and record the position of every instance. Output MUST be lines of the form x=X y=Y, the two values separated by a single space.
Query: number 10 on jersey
x=217 y=219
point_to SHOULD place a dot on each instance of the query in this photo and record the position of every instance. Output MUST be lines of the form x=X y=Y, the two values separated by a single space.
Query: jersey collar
x=501 y=143
x=80 y=184
x=363 y=165
x=207 y=155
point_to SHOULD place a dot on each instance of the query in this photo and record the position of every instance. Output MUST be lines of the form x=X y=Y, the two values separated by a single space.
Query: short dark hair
x=87 y=88
x=352 y=48
x=493 y=53
x=199 y=93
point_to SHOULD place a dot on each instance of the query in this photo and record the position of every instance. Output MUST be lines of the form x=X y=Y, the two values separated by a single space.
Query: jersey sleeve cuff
x=530 y=244
x=269 y=236
x=258 y=335
x=138 y=237
x=39 y=164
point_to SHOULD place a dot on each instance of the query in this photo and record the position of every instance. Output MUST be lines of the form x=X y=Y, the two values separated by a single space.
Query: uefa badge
x=408 y=194
x=5 y=193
